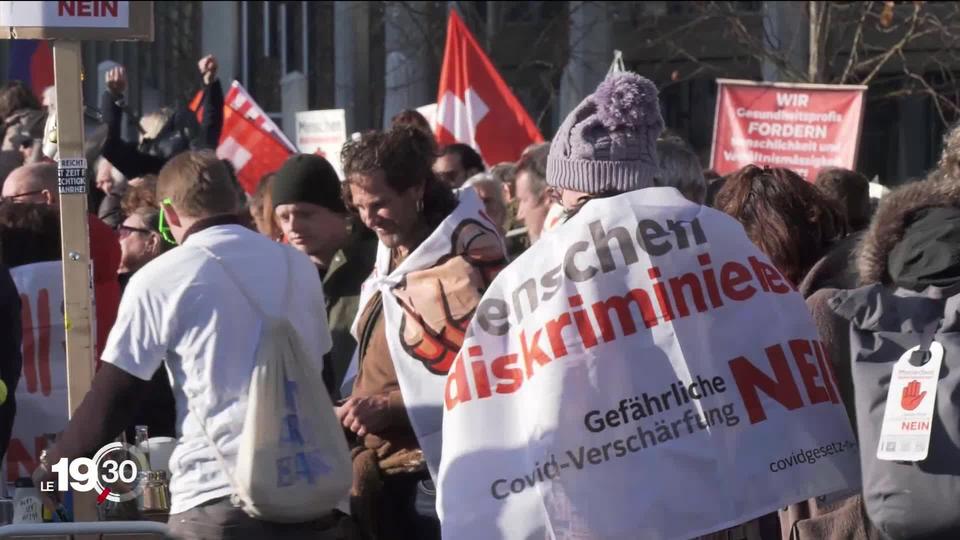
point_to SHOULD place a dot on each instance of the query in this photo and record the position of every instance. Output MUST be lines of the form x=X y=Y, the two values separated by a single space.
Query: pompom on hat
x=609 y=141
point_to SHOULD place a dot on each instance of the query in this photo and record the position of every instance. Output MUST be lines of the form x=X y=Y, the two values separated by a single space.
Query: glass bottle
x=142 y=441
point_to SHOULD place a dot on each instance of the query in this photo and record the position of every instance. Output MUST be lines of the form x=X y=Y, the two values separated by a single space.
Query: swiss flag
x=250 y=140
x=252 y=151
x=475 y=106
x=240 y=101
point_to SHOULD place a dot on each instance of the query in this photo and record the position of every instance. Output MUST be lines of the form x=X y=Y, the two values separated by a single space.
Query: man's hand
x=208 y=68
x=363 y=415
x=117 y=81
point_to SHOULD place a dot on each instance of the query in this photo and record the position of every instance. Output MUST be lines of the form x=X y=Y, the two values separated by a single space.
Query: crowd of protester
x=162 y=200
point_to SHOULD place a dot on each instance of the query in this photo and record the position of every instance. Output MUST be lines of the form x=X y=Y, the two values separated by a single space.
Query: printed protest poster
x=642 y=372
x=323 y=133
x=42 y=391
x=804 y=127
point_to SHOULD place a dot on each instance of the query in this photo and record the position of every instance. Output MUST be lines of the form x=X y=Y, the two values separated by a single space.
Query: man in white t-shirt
x=182 y=310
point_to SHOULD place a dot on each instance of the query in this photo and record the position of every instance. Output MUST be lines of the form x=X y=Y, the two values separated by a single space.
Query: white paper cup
x=160 y=450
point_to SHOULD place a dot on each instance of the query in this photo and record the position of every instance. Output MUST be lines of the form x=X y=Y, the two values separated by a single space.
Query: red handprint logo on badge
x=912 y=396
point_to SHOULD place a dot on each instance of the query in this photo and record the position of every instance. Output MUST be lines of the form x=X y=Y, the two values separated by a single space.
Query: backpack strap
x=240 y=495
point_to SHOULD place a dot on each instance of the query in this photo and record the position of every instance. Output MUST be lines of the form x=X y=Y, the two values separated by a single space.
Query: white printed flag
x=428 y=300
x=642 y=372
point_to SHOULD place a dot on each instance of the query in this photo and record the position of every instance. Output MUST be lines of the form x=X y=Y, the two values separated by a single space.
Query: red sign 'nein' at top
x=76 y=8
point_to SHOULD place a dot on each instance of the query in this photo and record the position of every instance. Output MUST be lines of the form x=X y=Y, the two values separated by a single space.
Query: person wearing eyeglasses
x=140 y=241
x=37 y=183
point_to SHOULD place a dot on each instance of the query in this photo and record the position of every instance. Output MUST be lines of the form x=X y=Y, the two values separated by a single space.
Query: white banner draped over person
x=428 y=300
x=643 y=372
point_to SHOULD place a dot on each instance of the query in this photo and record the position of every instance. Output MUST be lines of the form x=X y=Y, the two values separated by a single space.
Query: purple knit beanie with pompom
x=609 y=141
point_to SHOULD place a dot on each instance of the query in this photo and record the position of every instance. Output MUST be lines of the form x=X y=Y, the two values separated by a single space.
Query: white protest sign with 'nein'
x=323 y=133
x=42 y=391
x=642 y=372
x=66 y=14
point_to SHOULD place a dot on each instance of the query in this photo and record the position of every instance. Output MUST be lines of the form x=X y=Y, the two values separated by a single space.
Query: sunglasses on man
x=126 y=230
x=163 y=226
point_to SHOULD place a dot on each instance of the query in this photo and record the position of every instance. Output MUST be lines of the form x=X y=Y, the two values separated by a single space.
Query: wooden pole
x=75 y=239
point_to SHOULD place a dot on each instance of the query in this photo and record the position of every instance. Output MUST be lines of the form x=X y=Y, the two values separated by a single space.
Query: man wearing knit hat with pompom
x=613 y=382
x=608 y=144
x=309 y=209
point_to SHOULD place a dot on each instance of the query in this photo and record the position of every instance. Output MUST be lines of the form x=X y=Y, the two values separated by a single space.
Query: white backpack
x=293 y=464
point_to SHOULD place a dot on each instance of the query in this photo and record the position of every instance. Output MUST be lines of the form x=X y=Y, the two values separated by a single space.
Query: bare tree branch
x=857 y=37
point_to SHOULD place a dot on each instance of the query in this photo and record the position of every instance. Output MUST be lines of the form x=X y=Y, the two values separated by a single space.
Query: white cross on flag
x=250 y=140
x=475 y=106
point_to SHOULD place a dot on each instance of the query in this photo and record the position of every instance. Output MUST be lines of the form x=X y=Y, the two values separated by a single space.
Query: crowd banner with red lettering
x=428 y=300
x=804 y=127
x=642 y=372
x=42 y=391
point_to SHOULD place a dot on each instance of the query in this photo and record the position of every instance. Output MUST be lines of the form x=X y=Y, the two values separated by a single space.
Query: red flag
x=196 y=105
x=253 y=151
x=250 y=140
x=240 y=101
x=475 y=106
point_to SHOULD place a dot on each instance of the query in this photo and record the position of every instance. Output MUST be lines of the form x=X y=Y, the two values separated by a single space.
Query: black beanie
x=307 y=178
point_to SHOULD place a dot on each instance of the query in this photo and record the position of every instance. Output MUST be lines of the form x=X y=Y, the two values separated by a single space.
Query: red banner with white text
x=804 y=127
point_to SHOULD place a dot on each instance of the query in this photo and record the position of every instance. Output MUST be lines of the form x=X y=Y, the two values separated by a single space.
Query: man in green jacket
x=314 y=219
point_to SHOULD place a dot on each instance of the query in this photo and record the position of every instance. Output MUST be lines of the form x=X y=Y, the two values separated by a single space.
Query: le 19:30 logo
x=113 y=473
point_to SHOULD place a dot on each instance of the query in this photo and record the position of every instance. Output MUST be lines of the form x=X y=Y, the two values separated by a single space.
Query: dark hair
x=469 y=158
x=710 y=175
x=405 y=154
x=410 y=117
x=851 y=191
x=15 y=96
x=788 y=218
x=29 y=233
x=714 y=185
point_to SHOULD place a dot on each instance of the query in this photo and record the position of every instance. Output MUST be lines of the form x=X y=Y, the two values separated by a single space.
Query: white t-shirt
x=183 y=308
